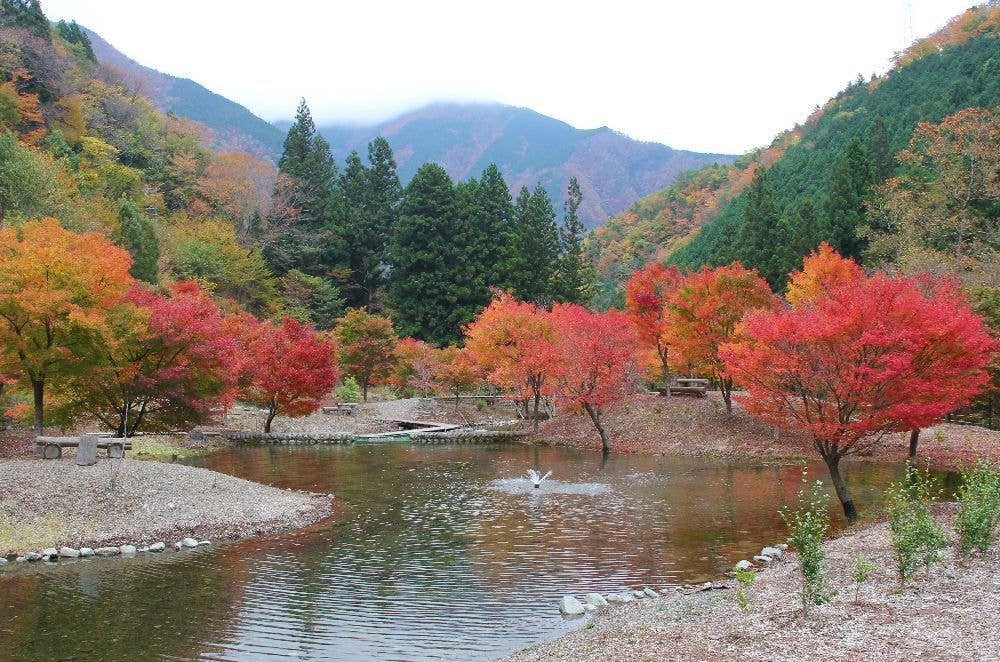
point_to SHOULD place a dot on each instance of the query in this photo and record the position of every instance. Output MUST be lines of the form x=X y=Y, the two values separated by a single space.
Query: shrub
x=978 y=508
x=863 y=569
x=807 y=526
x=916 y=538
x=746 y=578
x=348 y=391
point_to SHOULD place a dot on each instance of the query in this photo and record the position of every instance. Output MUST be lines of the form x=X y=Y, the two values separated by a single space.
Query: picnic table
x=690 y=386
x=50 y=448
x=343 y=408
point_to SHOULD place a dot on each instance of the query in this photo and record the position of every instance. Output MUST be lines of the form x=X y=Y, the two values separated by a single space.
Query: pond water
x=436 y=553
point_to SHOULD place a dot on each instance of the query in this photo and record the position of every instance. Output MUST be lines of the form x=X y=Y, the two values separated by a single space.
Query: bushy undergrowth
x=807 y=527
x=978 y=508
x=916 y=538
x=348 y=391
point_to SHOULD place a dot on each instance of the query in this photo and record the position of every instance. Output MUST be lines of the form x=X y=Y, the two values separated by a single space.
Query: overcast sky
x=712 y=76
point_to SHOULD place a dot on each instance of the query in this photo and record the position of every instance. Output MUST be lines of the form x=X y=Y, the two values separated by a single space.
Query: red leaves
x=867 y=356
x=289 y=368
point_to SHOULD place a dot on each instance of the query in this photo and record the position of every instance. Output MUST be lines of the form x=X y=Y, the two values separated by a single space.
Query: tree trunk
x=38 y=390
x=914 y=437
x=271 y=411
x=534 y=417
x=666 y=369
x=726 y=386
x=833 y=464
x=595 y=416
x=364 y=390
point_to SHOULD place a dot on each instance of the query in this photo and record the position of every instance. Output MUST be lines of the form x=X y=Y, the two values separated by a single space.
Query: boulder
x=595 y=599
x=743 y=565
x=69 y=553
x=589 y=607
x=189 y=542
x=570 y=606
x=178 y=545
x=86 y=551
x=773 y=552
x=763 y=559
x=143 y=549
x=202 y=543
x=20 y=559
x=3 y=559
x=157 y=547
x=128 y=550
x=782 y=546
x=650 y=593
x=615 y=598
x=32 y=556
x=107 y=551
x=638 y=595
x=50 y=553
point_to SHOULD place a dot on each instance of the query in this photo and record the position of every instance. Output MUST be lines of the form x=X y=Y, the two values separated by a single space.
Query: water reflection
x=439 y=552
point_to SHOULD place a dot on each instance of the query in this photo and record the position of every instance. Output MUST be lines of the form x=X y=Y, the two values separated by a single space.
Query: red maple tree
x=289 y=368
x=647 y=293
x=868 y=357
x=596 y=355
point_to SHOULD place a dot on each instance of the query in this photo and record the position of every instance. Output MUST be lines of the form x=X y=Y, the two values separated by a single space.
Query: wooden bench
x=50 y=448
x=342 y=408
x=690 y=386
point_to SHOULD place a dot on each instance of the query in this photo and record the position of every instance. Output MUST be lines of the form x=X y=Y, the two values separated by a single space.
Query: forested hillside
x=234 y=126
x=815 y=182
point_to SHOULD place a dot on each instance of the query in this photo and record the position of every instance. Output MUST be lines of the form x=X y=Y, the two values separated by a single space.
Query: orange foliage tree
x=704 y=313
x=56 y=288
x=513 y=342
x=457 y=371
x=367 y=347
x=647 y=293
x=289 y=368
x=417 y=363
x=596 y=353
x=822 y=270
x=875 y=355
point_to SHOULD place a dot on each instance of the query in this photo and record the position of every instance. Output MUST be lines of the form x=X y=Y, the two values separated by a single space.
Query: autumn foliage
x=367 y=347
x=289 y=368
x=866 y=357
x=647 y=293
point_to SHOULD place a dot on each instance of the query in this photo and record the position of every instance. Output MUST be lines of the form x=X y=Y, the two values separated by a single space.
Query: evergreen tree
x=310 y=299
x=576 y=276
x=24 y=14
x=74 y=34
x=538 y=243
x=488 y=213
x=758 y=238
x=851 y=181
x=137 y=236
x=429 y=289
x=354 y=221
x=383 y=197
x=880 y=152
x=807 y=229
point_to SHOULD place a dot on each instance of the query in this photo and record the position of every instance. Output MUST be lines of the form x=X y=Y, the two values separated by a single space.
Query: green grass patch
x=30 y=536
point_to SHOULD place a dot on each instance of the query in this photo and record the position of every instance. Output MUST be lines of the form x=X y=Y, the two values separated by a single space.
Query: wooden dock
x=406 y=427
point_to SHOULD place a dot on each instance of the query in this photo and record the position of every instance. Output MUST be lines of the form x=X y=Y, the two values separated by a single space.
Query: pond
x=435 y=553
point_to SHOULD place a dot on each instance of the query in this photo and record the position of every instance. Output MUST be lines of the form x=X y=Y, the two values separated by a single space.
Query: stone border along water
x=570 y=606
x=52 y=555
x=346 y=438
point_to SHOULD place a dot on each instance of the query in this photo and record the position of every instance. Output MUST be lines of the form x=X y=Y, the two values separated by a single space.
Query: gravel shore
x=49 y=503
x=950 y=612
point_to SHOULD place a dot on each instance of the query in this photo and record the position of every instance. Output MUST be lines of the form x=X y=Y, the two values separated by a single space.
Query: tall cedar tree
x=354 y=218
x=492 y=235
x=137 y=236
x=807 y=228
x=314 y=243
x=24 y=14
x=538 y=243
x=850 y=186
x=880 y=151
x=430 y=288
x=576 y=276
x=765 y=239
x=384 y=194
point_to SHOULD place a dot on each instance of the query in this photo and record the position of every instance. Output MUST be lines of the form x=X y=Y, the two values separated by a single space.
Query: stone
x=762 y=559
x=69 y=553
x=189 y=542
x=33 y=556
x=3 y=559
x=86 y=551
x=782 y=546
x=615 y=598
x=595 y=599
x=773 y=552
x=202 y=543
x=143 y=549
x=50 y=553
x=86 y=452
x=590 y=607
x=638 y=595
x=157 y=547
x=20 y=559
x=743 y=565
x=570 y=606
x=107 y=551
x=128 y=550
x=178 y=545
x=650 y=593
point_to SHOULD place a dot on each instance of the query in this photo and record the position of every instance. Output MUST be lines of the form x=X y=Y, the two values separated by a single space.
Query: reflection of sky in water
x=439 y=552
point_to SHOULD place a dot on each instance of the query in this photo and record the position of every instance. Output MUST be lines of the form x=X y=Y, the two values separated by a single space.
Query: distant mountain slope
x=235 y=127
x=697 y=220
x=612 y=168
